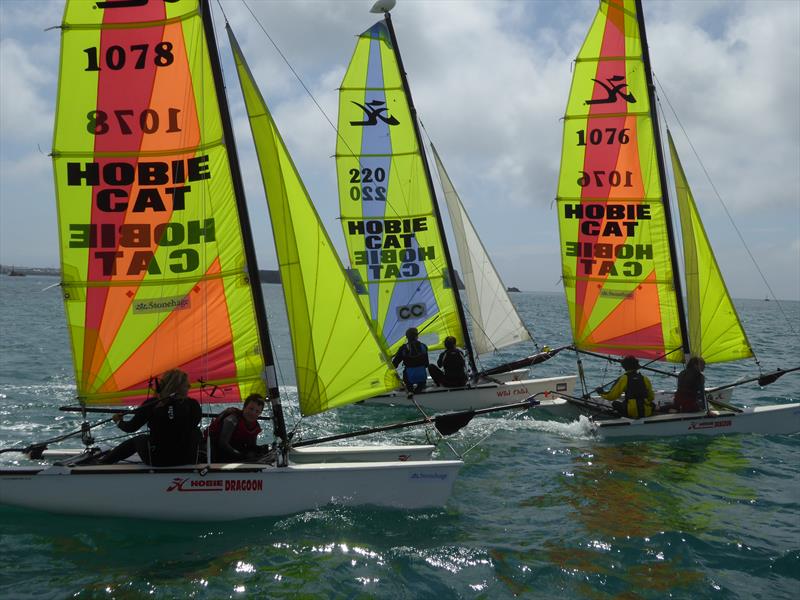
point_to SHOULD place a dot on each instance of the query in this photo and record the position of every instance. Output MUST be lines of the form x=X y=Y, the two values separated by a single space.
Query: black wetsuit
x=174 y=437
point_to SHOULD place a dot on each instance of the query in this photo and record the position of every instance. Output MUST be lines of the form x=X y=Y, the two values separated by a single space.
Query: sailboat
x=396 y=242
x=159 y=272
x=619 y=251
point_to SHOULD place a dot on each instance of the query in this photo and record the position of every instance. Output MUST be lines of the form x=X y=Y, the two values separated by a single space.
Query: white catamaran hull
x=316 y=454
x=774 y=419
x=226 y=492
x=486 y=395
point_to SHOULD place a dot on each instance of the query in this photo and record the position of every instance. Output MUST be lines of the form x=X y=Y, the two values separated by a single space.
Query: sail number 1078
x=116 y=57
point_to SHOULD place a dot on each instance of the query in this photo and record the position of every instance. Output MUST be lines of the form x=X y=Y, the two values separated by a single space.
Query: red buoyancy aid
x=244 y=436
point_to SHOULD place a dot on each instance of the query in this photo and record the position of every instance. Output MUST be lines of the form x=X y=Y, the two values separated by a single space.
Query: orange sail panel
x=616 y=263
x=152 y=256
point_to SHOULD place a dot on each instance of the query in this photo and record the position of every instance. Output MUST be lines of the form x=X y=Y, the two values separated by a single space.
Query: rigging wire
x=292 y=69
x=722 y=203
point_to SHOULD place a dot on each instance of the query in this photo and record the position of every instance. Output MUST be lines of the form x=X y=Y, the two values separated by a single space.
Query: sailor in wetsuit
x=455 y=367
x=691 y=393
x=414 y=356
x=172 y=418
x=637 y=389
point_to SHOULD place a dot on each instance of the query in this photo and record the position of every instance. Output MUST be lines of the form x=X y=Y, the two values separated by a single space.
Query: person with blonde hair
x=173 y=420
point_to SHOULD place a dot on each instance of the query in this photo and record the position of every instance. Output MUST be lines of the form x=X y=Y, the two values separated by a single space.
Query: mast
x=278 y=423
x=450 y=271
x=676 y=277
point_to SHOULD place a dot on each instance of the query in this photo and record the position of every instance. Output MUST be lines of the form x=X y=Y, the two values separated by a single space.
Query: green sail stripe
x=338 y=359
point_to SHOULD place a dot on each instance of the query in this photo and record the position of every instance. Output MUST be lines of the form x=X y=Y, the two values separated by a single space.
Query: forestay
x=616 y=261
x=393 y=236
x=495 y=322
x=338 y=359
x=152 y=253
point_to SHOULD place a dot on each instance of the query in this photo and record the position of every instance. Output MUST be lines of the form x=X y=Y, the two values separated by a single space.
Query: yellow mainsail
x=393 y=236
x=616 y=261
x=152 y=252
x=338 y=358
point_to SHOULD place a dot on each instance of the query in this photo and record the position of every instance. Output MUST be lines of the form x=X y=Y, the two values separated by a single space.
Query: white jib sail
x=495 y=322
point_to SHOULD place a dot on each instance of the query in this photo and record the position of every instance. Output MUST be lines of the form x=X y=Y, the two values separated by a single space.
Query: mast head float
x=382 y=6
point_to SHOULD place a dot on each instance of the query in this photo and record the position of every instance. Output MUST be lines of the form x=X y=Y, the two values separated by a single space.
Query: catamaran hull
x=486 y=395
x=775 y=419
x=227 y=492
x=316 y=454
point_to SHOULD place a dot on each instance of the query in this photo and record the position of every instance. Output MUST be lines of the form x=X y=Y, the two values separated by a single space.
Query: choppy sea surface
x=540 y=509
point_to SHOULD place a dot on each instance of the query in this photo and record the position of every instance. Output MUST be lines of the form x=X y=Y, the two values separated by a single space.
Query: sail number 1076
x=607 y=135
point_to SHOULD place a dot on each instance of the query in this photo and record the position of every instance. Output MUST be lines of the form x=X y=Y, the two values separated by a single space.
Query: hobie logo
x=180 y=484
x=126 y=3
x=374 y=110
x=614 y=88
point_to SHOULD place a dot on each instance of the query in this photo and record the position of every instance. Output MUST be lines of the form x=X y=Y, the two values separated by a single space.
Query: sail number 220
x=368 y=192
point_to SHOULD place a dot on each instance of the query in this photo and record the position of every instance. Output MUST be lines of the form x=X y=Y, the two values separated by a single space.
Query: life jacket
x=244 y=436
x=637 y=403
x=690 y=395
x=215 y=427
x=454 y=364
x=416 y=354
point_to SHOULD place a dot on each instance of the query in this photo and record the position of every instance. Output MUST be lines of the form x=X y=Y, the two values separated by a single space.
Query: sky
x=490 y=81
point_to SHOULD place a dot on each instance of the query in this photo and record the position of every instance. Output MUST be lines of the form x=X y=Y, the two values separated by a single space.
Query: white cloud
x=490 y=81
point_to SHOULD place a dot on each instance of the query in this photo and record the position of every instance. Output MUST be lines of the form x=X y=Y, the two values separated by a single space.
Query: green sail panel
x=152 y=253
x=715 y=332
x=616 y=265
x=338 y=358
x=393 y=237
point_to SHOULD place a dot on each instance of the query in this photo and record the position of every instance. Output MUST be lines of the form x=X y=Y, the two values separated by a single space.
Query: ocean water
x=540 y=509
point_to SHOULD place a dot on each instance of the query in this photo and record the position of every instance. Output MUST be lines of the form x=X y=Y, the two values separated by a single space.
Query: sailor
x=637 y=389
x=455 y=367
x=172 y=418
x=414 y=356
x=690 y=396
x=234 y=432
